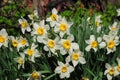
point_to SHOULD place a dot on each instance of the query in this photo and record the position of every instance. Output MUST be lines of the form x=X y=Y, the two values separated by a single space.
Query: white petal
x=74 y=63
x=88 y=48
x=54 y=11
x=82 y=60
x=102 y=45
x=46 y=48
x=75 y=46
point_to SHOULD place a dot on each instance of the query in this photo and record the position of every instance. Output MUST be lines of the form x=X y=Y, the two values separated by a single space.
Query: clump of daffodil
x=64 y=70
x=3 y=38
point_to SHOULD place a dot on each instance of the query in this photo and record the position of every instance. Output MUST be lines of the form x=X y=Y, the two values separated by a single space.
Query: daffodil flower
x=35 y=76
x=64 y=70
x=66 y=45
x=40 y=30
x=20 y=60
x=32 y=52
x=62 y=27
x=111 y=43
x=24 y=25
x=3 y=38
x=53 y=18
x=76 y=57
x=109 y=71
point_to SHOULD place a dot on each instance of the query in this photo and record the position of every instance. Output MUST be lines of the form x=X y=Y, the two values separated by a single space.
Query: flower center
x=23 y=24
x=75 y=56
x=118 y=68
x=111 y=44
x=30 y=52
x=111 y=71
x=2 y=39
x=40 y=31
x=113 y=28
x=64 y=69
x=20 y=61
x=63 y=27
x=23 y=41
x=94 y=44
x=51 y=43
x=53 y=17
x=35 y=75
x=14 y=43
x=97 y=23
x=66 y=44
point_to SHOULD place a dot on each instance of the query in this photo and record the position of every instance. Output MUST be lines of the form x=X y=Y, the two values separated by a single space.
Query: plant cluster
x=57 y=49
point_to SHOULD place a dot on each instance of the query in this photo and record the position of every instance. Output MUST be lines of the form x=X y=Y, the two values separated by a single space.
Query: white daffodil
x=20 y=60
x=117 y=68
x=15 y=42
x=53 y=18
x=66 y=45
x=85 y=78
x=22 y=42
x=64 y=70
x=98 y=23
x=24 y=25
x=32 y=52
x=51 y=45
x=109 y=72
x=92 y=43
x=3 y=38
x=111 y=43
x=34 y=15
x=113 y=29
x=62 y=27
x=35 y=76
x=76 y=57
x=40 y=30
x=118 y=12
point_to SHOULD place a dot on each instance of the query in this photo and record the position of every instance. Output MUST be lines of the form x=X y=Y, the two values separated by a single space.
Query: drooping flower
x=64 y=70
x=24 y=25
x=3 y=38
x=109 y=71
x=20 y=60
x=98 y=23
x=32 y=52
